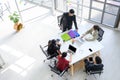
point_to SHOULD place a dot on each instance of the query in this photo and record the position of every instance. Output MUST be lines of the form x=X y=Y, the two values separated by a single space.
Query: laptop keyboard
x=69 y=51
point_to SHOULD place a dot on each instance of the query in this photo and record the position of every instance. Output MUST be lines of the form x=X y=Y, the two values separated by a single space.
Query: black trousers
x=65 y=28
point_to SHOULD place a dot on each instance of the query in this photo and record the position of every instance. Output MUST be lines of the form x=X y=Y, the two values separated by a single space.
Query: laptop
x=71 y=49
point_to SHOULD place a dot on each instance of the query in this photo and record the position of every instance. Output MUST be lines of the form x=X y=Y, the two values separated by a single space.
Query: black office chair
x=95 y=69
x=44 y=51
x=59 y=19
x=100 y=34
x=48 y=57
x=57 y=71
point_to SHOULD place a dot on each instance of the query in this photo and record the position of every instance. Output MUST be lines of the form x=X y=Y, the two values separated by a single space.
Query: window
x=111 y=9
x=96 y=15
x=109 y=19
x=97 y=5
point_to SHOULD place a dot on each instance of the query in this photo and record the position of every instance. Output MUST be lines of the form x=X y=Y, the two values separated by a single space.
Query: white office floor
x=24 y=59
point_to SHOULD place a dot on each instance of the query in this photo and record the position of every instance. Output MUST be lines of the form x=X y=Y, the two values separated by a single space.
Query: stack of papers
x=69 y=35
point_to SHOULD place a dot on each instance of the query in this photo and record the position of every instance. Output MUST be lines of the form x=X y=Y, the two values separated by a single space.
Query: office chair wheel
x=1 y=67
x=51 y=75
x=43 y=60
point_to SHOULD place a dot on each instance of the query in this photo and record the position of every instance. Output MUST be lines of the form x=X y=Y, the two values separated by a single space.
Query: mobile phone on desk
x=90 y=49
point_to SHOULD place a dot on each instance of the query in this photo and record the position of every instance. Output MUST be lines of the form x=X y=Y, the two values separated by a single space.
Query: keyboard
x=69 y=51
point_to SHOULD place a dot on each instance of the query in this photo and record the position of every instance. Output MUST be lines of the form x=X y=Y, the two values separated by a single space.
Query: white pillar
x=53 y=7
x=19 y=11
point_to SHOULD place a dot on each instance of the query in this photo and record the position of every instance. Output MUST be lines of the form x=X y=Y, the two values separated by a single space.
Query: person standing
x=67 y=20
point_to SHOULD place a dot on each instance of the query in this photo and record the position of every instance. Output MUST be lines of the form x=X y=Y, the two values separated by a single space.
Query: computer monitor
x=72 y=49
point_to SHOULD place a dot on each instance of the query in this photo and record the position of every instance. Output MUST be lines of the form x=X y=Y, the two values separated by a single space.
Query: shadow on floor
x=8 y=37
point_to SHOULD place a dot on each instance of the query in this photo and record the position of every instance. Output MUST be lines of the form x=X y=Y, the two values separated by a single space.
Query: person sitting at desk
x=91 y=65
x=98 y=60
x=62 y=62
x=93 y=31
x=53 y=48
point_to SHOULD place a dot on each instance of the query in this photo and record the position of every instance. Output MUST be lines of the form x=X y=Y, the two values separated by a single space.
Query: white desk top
x=82 y=48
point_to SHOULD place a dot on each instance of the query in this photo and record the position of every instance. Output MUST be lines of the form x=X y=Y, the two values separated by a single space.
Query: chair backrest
x=59 y=19
x=45 y=53
x=100 y=34
x=96 y=69
x=58 y=72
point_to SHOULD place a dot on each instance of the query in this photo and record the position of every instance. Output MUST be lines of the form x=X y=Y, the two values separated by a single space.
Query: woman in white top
x=93 y=31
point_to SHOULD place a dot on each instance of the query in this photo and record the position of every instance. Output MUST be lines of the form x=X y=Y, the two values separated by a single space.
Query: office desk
x=81 y=53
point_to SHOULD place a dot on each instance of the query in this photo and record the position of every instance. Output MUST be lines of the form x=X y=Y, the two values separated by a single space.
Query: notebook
x=76 y=33
x=65 y=37
x=71 y=34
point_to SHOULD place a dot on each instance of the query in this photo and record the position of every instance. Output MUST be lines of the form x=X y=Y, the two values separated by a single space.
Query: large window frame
x=80 y=10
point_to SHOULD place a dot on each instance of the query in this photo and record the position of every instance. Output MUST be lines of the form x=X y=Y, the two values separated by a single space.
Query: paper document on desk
x=81 y=40
x=77 y=43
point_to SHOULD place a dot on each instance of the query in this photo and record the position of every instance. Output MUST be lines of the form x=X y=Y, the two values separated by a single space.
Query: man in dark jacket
x=53 y=49
x=93 y=66
x=67 y=19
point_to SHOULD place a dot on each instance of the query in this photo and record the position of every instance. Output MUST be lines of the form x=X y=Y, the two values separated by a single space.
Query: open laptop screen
x=72 y=48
